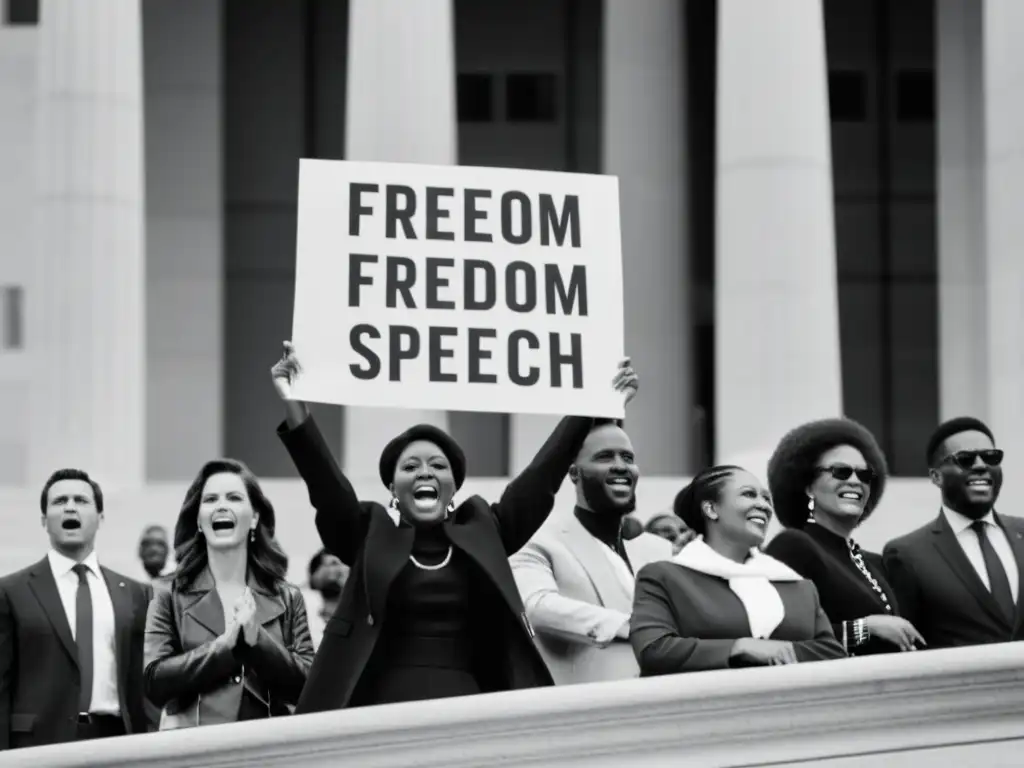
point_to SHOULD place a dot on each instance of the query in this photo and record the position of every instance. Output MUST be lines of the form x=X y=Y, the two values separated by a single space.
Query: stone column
x=17 y=240
x=777 y=360
x=1003 y=86
x=644 y=144
x=184 y=236
x=400 y=107
x=86 y=308
x=960 y=128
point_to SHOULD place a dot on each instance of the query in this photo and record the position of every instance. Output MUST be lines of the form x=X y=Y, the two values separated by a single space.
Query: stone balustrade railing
x=950 y=707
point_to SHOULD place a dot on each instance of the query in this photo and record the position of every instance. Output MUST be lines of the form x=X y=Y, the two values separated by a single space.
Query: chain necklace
x=858 y=560
x=438 y=567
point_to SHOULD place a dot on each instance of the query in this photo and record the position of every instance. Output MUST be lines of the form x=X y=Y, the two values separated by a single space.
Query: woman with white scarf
x=720 y=602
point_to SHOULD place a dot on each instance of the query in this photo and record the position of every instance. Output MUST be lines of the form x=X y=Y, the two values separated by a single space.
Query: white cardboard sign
x=458 y=288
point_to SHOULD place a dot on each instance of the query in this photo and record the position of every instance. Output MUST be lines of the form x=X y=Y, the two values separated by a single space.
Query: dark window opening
x=22 y=12
x=475 y=98
x=915 y=96
x=531 y=98
x=847 y=96
x=13 y=325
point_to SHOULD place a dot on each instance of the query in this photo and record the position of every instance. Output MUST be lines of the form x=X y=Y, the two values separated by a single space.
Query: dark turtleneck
x=428 y=624
x=606 y=528
x=430 y=540
x=432 y=603
x=846 y=594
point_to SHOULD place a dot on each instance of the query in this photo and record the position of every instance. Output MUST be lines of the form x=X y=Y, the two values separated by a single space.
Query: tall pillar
x=777 y=360
x=17 y=238
x=644 y=144
x=184 y=236
x=1003 y=67
x=86 y=313
x=963 y=308
x=400 y=107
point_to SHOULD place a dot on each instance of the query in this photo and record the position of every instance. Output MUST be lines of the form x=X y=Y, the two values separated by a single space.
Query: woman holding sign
x=430 y=609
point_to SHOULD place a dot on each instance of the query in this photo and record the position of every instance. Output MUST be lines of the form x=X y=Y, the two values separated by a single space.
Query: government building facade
x=820 y=205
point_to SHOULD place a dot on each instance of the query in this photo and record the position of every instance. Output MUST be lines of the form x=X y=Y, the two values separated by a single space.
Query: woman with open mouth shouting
x=827 y=477
x=720 y=602
x=430 y=609
x=229 y=640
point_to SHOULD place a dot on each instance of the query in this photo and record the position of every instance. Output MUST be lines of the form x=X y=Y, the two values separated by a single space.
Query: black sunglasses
x=845 y=472
x=993 y=457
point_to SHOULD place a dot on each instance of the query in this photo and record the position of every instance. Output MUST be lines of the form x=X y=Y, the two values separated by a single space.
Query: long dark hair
x=267 y=562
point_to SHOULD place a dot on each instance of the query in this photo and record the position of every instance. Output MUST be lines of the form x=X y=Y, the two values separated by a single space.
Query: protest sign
x=458 y=288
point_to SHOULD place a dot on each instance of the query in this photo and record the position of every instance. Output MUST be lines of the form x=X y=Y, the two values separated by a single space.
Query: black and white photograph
x=476 y=383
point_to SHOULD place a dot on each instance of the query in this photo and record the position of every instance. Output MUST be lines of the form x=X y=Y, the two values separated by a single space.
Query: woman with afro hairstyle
x=720 y=602
x=827 y=477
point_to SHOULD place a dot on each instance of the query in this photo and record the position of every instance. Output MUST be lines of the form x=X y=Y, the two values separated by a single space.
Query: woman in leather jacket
x=229 y=640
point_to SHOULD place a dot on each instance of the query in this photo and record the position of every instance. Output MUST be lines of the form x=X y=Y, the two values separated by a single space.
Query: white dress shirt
x=971 y=546
x=105 y=700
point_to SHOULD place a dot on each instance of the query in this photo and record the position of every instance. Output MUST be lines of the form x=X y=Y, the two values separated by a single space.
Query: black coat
x=824 y=558
x=940 y=592
x=39 y=676
x=363 y=536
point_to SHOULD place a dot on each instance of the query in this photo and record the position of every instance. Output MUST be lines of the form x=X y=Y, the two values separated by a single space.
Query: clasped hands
x=243 y=621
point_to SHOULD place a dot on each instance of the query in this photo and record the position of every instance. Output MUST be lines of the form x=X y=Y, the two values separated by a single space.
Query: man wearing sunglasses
x=958 y=579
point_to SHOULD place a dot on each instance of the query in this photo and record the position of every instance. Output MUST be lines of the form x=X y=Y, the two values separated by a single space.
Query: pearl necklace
x=438 y=567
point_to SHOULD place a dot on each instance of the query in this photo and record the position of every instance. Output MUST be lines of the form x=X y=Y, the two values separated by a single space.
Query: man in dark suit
x=71 y=631
x=958 y=579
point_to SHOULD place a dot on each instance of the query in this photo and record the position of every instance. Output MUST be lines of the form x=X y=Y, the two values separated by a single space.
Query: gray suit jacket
x=577 y=603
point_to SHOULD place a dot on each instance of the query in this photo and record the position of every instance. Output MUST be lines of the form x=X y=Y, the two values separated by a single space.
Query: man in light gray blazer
x=576 y=574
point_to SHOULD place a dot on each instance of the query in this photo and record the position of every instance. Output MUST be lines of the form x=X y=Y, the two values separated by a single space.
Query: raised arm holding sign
x=431 y=609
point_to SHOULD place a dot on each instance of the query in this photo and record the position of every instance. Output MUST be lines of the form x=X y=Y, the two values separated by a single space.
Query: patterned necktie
x=999 y=585
x=83 y=636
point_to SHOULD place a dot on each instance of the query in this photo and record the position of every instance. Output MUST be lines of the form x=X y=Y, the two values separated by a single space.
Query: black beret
x=954 y=427
x=430 y=433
